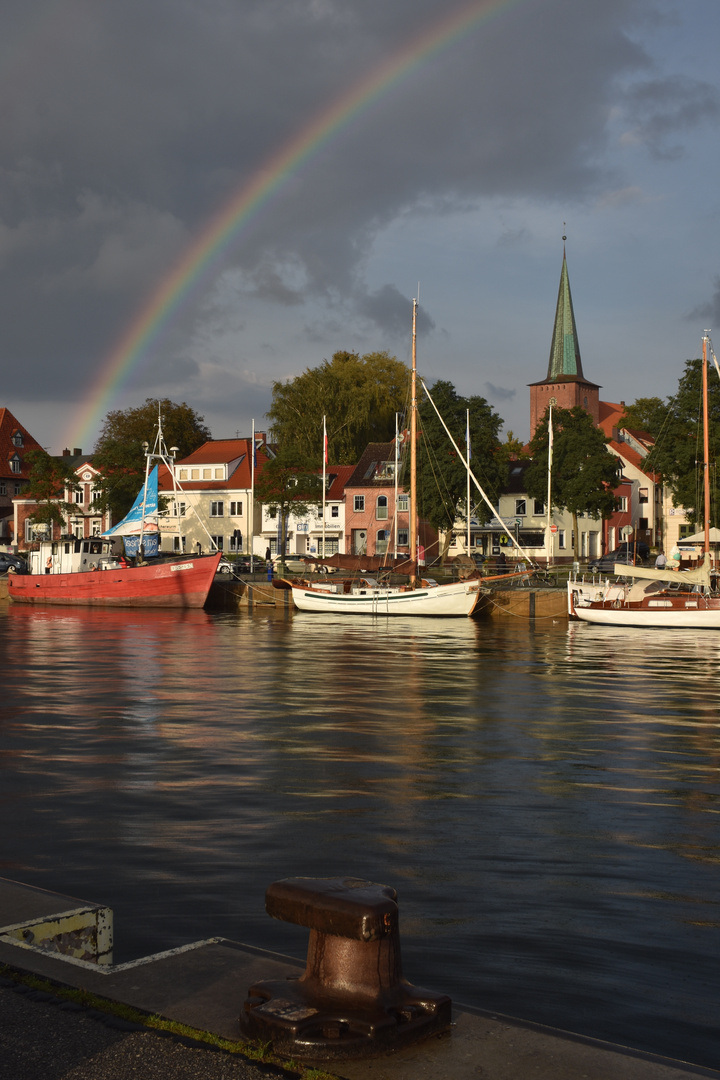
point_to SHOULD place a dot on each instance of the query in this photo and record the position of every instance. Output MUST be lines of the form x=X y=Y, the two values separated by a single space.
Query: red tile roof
x=9 y=426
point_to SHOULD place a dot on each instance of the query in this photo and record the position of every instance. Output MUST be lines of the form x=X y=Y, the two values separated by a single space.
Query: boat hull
x=180 y=583
x=456 y=599
x=705 y=617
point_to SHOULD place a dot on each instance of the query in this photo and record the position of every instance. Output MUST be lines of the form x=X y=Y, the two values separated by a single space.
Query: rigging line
x=474 y=478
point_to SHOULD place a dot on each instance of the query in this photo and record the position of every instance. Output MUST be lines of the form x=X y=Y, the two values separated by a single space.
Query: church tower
x=565 y=385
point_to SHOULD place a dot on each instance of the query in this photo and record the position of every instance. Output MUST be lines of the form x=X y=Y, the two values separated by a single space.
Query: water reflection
x=545 y=799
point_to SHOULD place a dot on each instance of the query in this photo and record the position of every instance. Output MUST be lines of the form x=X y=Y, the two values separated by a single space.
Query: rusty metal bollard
x=352 y=1000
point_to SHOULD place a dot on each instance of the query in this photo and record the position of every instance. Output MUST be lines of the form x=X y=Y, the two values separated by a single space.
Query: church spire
x=564 y=351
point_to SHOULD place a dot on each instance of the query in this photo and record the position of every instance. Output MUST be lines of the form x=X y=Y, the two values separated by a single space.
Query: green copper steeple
x=564 y=351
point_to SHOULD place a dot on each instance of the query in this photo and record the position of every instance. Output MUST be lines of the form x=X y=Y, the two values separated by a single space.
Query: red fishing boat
x=180 y=583
x=83 y=572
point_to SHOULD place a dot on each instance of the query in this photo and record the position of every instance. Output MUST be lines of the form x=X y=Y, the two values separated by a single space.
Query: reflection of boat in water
x=81 y=571
x=674 y=599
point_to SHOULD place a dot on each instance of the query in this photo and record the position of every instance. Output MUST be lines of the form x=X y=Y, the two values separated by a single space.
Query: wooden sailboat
x=687 y=599
x=369 y=597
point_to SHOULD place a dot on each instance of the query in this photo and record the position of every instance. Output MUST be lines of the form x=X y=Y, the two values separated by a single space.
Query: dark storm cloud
x=388 y=309
x=126 y=126
x=710 y=310
x=499 y=393
x=661 y=109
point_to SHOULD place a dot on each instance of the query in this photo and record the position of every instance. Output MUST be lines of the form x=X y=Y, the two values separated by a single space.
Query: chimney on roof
x=77 y=451
x=66 y=452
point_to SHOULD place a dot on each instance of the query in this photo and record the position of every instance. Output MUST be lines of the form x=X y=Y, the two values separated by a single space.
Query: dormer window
x=17 y=439
x=15 y=464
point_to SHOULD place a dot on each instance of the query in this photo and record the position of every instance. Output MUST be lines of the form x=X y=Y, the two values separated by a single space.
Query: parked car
x=636 y=552
x=17 y=563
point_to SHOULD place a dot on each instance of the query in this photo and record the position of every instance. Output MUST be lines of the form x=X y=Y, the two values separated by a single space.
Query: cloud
x=710 y=310
x=391 y=312
x=126 y=127
x=659 y=110
x=499 y=393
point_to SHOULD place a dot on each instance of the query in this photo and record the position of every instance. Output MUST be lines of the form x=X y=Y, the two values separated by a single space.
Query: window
x=236 y=541
x=218 y=541
x=538 y=507
x=3 y=487
x=220 y=474
x=334 y=511
x=183 y=474
x=207 y=474
x=272 y=512
x=643 y=524
x=358 y=503
x=217 y=509
x=561 y=538
x=381 y=510
x=520 y=508
x=332 y=546
x=18 y=487
x=17 y=439
x=179 y=509
x=383 y=535
x=79 y=495
x=96 y=528
x=622 y=504
x=178 y=543
x=15 y=464
x=235 y=509
x=194 y=474
x=644 y=495
x=403 y=503
x=403 y=539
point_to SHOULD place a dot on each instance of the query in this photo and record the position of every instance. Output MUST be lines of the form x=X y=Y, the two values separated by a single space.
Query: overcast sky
x=127 y=125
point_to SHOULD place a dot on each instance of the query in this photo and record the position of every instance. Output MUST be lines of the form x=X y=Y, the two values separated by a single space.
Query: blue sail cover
x=129 y=527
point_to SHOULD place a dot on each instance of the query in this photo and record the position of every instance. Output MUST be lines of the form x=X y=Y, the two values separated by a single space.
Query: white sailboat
x=367 y=596
x=686 y=599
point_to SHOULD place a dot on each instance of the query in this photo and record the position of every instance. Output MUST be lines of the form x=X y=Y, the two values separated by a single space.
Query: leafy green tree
x=288 y=485
x=442 y=477
x=119 y=452
x=49 y=476
x=645 y=414
x=678 y=450
x=358 y=395
x=584 y=473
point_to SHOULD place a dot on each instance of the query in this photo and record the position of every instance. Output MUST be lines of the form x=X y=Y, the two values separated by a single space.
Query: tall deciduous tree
x=359 y=396
x=584 y=473
x=442 y=477
x=119 y=453
x=288 y=485
x=678 y=450
x=49 y=476
x=646 y=414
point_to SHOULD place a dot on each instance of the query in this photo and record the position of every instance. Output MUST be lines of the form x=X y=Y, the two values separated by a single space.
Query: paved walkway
x=44 y=1038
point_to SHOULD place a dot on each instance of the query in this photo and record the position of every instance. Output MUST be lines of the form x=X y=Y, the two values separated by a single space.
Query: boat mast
x=467 y=448
x=252 y=496
x=706 y=444
x=413 y=450
x=549 y=548
x=325 y=458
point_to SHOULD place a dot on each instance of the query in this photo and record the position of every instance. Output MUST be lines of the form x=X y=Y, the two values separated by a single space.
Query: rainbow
x=269 y=180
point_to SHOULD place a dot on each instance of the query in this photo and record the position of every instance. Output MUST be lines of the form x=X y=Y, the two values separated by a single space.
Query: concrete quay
x=57 y=982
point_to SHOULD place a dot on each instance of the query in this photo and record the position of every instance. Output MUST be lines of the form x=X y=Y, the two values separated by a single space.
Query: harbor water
x=545 y=798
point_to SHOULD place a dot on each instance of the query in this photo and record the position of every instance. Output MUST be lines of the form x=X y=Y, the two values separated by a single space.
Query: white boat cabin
x=72 y=556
